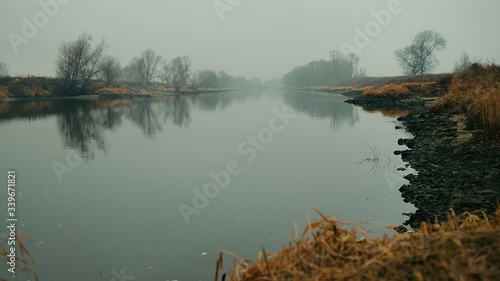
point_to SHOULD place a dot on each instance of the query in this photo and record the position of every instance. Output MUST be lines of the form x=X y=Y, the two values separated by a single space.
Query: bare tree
x=361 y=72
x=110 y=69
x=340 y=67
x=176 y=73
x=419 y=57
x=194 y=80
x=146 y=66
x=130 y=72
x=408 y=59
x=77 y=63
x=4 y=69
x=344 y=66
x=463 y=63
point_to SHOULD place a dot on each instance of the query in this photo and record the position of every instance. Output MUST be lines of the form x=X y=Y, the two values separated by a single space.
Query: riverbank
x=456 y=168
x=43 y=88
x=455 y=150
x=464 y=248
x=107 y=96
x=455 y=147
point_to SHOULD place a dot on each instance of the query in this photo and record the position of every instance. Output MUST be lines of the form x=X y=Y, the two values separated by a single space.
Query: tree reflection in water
x=83 y=123
x=323 y=106
x=142 y=114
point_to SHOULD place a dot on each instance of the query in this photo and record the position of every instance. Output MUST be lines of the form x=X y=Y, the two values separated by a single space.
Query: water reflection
x=388 y=112
x=211 y=102
x=82 y=127
x=170 y=175
x=323 y=106
x=82 y=123
x=179 y=111
x=142 y=114
x=30 y=110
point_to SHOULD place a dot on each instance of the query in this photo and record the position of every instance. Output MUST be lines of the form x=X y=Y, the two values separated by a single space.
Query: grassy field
x=467 y=247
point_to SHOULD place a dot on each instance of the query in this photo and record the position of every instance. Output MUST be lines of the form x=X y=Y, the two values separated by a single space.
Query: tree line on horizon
x=417 y=58
x=339 y=67
x=78 y=63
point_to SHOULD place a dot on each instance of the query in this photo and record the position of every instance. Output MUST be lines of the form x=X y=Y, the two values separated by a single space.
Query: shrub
x=390 y=90
x=4 y=92
x=114 y=91
x=34 y=91
x=475 y=92
x=484 y=112
x=424 y=88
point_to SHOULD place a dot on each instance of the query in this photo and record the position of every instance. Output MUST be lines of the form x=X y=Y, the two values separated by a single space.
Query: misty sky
x=258 y=38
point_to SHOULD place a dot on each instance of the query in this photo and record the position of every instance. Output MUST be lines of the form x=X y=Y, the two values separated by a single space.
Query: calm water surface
x=115 y=185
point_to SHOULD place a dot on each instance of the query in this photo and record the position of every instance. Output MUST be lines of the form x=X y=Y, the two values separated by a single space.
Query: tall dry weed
x=467 y=247
x=476 y=92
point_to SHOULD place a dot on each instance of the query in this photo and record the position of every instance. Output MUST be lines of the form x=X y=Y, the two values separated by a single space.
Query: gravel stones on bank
x=463 y=175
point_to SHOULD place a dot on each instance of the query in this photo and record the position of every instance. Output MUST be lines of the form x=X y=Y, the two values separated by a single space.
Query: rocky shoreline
x=455 y=169
x=387 y=102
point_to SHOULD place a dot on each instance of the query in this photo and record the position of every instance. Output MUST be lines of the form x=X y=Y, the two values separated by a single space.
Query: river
x=154 y=189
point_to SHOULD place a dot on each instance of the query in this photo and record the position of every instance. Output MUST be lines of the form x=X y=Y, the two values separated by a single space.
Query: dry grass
x=476 y=92
x=355 y=88
x=114 y=91
x=24 y=261
x=395 y=87
x=35 y=91
x=28 y=86
x=423 y=88
x=390 y=90
x=402 y=90
x=467 y=247
x=4 y=92
x=380 y=81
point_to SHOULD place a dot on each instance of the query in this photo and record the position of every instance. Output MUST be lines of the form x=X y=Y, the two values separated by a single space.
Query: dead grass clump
x=353 y=88
x=361 y=89
x=476 y=92
x=4 y=92
x=484 y=112
x=401 y=90
x=30 y=86
x=467 y=247
x=24 y=261
x=390 y=90
x=420 y=88
x=114 y=91
x=35 y=91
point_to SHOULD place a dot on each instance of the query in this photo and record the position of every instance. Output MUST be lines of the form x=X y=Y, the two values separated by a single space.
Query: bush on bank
x=476 y=92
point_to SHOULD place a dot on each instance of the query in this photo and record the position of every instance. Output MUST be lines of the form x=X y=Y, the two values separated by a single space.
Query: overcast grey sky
x=257 y=38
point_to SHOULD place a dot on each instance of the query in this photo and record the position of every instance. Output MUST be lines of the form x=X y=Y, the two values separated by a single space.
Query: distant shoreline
x=115 y=96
